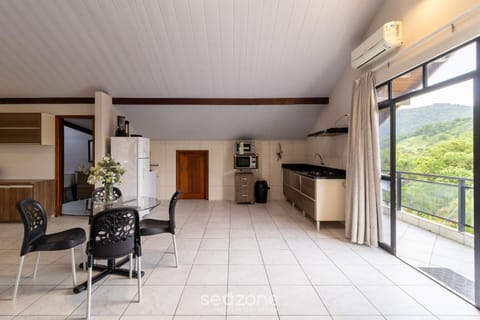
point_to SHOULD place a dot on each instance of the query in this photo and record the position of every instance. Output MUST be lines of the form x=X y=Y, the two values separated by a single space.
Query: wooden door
x=192 y=174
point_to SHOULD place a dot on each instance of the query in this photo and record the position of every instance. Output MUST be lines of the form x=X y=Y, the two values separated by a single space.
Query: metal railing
x=447 y=198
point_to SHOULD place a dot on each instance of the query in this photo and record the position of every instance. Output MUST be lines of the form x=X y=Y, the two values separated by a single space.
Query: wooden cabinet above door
x=36 y=128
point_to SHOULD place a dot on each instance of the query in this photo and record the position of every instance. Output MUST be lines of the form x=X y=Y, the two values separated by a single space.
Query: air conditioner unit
x=388 y=37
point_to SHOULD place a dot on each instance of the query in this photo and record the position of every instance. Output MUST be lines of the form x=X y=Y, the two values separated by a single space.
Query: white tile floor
x=422 y=248
x=238 y=262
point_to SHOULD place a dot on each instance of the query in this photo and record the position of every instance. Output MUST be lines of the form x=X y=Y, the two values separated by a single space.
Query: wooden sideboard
x=13 y=190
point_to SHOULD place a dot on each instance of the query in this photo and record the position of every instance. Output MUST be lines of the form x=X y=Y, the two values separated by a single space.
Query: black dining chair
x=98 y=195
x=149 y=227
x=114 y=233
x=35 y=238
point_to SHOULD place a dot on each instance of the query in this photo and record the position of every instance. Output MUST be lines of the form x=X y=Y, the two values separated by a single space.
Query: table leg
x=110 y=268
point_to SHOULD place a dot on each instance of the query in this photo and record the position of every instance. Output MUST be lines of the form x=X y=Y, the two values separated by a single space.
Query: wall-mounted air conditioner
x=388 y=37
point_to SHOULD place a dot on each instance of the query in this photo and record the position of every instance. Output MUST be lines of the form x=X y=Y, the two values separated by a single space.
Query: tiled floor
x=257 y=262
x=422 y=248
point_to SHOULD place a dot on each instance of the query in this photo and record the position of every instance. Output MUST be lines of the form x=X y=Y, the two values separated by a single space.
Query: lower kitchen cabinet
x=11 y=191
x=320 y=199
x=244 y=186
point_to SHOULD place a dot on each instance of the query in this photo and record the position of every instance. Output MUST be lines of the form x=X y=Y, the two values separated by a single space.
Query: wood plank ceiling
x=178 y=48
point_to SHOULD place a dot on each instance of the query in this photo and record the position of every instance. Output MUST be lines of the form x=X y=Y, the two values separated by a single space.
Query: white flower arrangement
x=107 y=171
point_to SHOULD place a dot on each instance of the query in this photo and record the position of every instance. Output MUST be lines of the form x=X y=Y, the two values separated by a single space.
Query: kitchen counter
x=317 y=191
x=314 y=171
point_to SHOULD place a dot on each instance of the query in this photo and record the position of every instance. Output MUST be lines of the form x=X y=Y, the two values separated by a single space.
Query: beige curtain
x=363 y=217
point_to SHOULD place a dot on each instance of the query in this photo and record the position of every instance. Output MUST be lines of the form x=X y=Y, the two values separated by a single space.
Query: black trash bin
x=261 y=191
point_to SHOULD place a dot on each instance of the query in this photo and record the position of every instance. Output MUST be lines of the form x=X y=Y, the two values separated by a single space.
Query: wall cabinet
x=320 y=199
x=27 y=128
x=244 y=185
x=11 y=191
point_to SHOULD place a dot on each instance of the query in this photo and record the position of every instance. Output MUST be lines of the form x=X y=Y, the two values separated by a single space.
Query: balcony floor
x=436 y=255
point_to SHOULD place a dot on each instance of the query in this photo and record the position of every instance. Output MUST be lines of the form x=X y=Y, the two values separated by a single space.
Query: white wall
x=33 y=161
x=105 y=124
x=336 y=157
x=75 y=150
x=420 y=18
x=221 y=172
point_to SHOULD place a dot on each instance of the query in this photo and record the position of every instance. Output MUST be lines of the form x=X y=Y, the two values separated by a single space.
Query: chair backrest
x=114 y=233
x=99 y=194
x=34 y=220
x=171 y=210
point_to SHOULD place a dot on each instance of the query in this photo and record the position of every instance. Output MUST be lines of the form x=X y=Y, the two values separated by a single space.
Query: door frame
x=59 y=155
x=177 y=172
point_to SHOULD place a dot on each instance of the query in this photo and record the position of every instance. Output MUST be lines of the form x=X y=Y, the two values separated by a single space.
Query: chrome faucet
x=319 y=157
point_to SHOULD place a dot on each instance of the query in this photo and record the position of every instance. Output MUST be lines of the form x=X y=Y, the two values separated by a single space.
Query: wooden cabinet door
x=9 y=195
x=192 y=174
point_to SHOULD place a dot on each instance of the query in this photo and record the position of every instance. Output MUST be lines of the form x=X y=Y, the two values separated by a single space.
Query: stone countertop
x=314 y=171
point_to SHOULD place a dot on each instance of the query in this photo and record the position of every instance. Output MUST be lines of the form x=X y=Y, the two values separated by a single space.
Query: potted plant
x=108 y=172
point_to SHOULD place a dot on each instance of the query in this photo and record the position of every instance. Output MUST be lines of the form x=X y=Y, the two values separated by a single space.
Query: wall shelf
x=329 y=132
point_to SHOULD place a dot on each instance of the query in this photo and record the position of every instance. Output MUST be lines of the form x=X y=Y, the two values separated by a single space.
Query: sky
x=462 y=61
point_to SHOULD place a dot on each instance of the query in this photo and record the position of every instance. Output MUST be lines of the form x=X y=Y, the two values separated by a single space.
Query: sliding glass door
x=428 y=118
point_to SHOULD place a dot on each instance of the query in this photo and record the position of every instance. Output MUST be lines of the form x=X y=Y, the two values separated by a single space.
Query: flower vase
x=109 y=198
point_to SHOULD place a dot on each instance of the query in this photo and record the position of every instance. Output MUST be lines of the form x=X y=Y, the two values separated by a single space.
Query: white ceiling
x=181 y=48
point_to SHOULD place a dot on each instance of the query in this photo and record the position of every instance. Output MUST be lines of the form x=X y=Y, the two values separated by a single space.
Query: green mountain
x=411 y=119
x=434 y=139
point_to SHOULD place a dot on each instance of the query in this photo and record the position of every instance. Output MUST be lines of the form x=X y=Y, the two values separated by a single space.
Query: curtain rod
x=450 y=24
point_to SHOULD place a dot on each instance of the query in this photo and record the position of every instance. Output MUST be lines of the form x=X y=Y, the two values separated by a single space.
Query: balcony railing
x=444 y=198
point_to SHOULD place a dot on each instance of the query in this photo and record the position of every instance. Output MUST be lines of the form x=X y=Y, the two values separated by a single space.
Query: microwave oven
x=245 y=161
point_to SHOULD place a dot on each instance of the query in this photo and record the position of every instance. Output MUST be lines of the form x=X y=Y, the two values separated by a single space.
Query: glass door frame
x=392 y=247
x=476 y=175
x=391 y=104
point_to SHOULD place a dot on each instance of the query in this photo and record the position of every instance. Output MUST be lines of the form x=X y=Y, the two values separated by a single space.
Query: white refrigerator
x=133 y=153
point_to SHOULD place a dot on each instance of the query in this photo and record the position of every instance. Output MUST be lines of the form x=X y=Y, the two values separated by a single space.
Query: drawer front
x=309 y=207
x=291 y=179
x=308 y=187
x=244 y=187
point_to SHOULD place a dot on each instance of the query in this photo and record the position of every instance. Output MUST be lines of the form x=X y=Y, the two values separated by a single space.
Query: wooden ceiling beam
x=219 y=101
x=170 y=101
x=49 y=100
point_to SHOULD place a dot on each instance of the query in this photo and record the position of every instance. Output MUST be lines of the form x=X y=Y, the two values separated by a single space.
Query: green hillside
x=436 y=139
x=411 y=119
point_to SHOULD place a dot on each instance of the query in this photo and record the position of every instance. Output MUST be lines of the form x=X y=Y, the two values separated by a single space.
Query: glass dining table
x=143 y=205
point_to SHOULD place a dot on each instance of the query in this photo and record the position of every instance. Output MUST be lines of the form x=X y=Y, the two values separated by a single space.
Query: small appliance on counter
x=123 y=127
x=244 y=157
x=246 y=146
x=245 y=161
